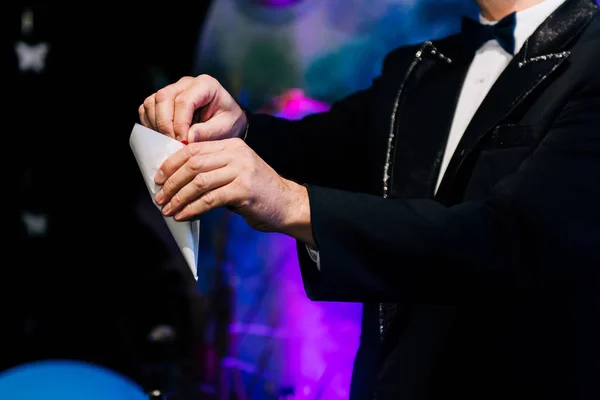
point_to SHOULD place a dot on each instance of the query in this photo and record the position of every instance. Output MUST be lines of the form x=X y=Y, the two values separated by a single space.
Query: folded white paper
x=150 y=149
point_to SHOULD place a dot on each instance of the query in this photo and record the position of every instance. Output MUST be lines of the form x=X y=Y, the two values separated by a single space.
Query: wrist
x=297 y=220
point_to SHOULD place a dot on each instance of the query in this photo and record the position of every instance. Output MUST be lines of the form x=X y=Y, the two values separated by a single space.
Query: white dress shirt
x=487 y=65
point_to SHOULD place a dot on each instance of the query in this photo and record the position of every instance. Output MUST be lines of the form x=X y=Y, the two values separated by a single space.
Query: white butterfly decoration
x=35 y=223
x=32 y=57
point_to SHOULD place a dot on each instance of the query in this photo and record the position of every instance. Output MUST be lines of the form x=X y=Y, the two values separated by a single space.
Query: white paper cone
x=150 y=149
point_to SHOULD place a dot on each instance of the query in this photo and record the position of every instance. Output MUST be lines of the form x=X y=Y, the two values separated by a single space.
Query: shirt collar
x=529 y=20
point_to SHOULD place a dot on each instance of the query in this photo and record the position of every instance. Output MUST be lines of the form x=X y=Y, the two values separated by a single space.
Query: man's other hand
x=227 y=173
x=194 y=109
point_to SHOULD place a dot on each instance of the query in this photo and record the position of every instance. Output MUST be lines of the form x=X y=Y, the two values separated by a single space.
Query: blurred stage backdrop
x=292 y=58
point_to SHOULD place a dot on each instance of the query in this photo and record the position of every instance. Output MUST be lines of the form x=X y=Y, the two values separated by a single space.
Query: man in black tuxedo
x=456 y=197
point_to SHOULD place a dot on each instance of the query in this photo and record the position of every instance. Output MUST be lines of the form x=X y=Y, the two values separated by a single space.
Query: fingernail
x=160 y=196
x=159 y=178
x=185 y=142
x=166 y=209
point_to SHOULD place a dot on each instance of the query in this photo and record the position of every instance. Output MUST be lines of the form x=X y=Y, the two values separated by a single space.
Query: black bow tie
x=476 y=33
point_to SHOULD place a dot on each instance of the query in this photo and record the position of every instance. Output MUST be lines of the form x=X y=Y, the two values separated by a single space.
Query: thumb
x=217 y=127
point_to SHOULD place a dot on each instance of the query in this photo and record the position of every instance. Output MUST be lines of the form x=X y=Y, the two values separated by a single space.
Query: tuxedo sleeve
x=538 y=228
x=318 y=148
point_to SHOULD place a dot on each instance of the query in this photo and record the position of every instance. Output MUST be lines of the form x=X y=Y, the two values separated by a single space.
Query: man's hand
x=206 y=175
x=194 y=109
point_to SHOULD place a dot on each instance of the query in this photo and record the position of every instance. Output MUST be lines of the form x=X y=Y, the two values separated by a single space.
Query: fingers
x=197 y=95
x=203 y=193
x=189 y=174
x=194 y=109
x=210 y=200
x=191 y=153
x=157 y=110
x=143 y=118
x=196 y=165
x=164 y=105
x=146 y=112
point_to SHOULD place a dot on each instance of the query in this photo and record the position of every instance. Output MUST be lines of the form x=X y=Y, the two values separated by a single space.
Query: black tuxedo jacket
x=491 y=286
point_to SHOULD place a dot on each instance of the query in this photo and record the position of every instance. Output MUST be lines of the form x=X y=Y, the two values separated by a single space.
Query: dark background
x=96 y=282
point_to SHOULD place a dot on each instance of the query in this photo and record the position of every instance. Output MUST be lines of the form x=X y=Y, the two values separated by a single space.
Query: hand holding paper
x=150 y=149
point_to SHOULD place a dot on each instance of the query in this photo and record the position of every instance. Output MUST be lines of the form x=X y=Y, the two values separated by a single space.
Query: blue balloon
x=66 y=380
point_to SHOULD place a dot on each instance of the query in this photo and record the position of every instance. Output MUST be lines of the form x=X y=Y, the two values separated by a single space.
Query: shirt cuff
x=314 y=255
x=244 y=134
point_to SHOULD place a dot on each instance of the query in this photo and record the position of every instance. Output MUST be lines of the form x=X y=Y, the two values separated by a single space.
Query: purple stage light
x=323 y=337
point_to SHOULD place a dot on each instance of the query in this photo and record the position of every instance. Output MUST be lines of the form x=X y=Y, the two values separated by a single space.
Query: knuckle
x=207 y=79
x=247 y=156
x=163 y=94
x=188 y=209
x=237 y=151
x=200 y=181
x=193 y=148
x=149 y=101
x=167 y=166
x=177 y=199
x=163 y=125
x=195 y=163
x=209 y=199
x=190 y=153
x=182 y=101
x=237 y=142
x=185 y=79
x=168 y=187
x=243 y=182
